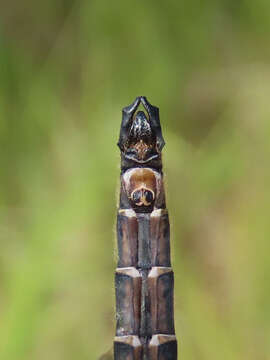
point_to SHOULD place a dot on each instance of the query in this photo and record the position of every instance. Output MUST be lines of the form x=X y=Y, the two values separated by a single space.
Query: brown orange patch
x=143 y=178
x=141 y=148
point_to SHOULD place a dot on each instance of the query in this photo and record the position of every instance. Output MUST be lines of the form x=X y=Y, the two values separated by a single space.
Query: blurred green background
x=66 y=70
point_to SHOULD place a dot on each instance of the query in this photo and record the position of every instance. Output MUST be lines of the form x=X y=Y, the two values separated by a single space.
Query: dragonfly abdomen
x=144 y=278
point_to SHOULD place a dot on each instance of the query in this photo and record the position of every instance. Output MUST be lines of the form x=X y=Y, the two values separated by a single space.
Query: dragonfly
x=144 y=280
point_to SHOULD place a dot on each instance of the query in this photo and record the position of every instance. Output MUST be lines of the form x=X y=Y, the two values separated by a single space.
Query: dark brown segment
x=160 y=288
x=160 y=238
x=127 y=236
x=144 y=247
x=145 y=328
x=163 y=347
x=128 y=283
x=127 y=348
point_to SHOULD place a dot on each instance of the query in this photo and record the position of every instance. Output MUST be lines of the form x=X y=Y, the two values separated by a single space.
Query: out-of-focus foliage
x=66 y=70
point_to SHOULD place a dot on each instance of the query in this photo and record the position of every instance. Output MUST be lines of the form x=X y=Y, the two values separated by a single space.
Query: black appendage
x=127 y=118
x=153 y=113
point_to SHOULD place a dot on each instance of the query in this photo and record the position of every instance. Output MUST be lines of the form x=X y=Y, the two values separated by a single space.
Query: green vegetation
x=66 y=70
